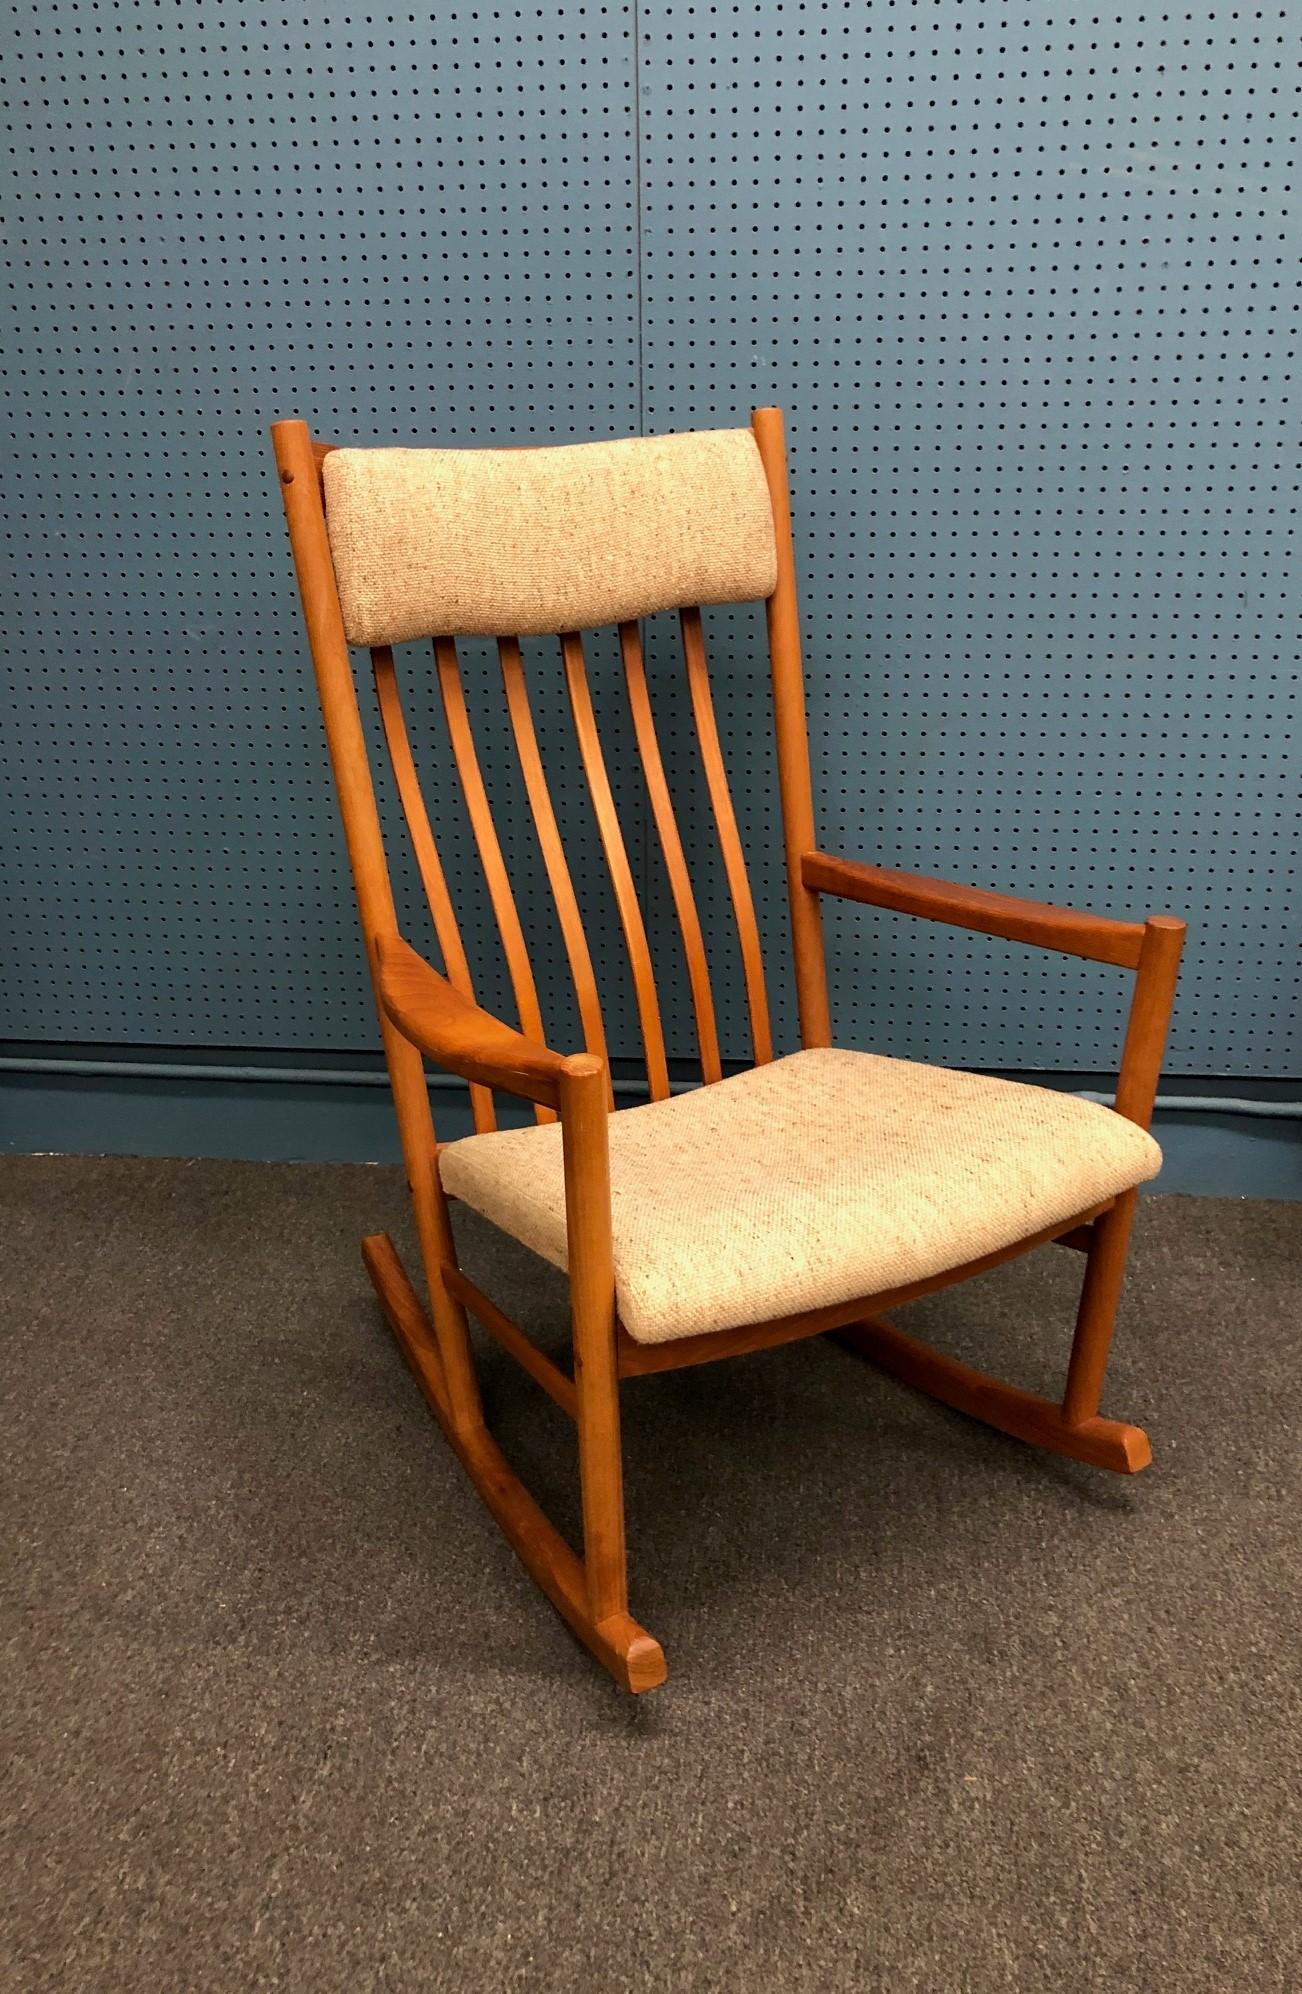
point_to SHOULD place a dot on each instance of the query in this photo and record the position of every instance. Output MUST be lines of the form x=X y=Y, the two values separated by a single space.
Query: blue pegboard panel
x=1027 y=285
x=409 y=229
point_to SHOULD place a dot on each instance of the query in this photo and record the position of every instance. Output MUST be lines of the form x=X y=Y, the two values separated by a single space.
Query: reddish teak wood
x=725 y=819
x=621 y=873
x=438 y=1020
x=552 y=847
x=428 y=863
x=424 y=1013
x=488 y=844
x=513 y=1339
x=1057 y=928
x=619 y=1644
x=671 y=846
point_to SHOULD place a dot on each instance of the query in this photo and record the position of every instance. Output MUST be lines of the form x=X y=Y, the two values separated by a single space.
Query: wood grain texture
x=487 y=843
x=621 y=874
x=1103 y=1443
x=300 y=483
x=629 y=1653
x=550 y=843
x=513 y=1340
x=1150 y=1018
x=449 y=1029
x=725 y=823
x=671 y=847
x=1105 y=1270
x=428 y=863
x=584 y=1127
x=423 y=1012
x=1060 y=929
x=791 y=735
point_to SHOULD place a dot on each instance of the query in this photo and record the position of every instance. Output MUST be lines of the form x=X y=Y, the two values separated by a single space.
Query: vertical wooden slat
x=612 y=840
x=428 y=863
x=792 y=733
x=671 y=845
x=1141 y=1063
x=725 y=819
x=489 y=846
x=553 y=851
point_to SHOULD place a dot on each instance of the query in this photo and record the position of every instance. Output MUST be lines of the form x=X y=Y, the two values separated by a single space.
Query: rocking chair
x=805 y=1194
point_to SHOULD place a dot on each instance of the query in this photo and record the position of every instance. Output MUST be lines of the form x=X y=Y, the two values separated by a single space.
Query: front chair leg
x=584 y=1110
x=592 y=1303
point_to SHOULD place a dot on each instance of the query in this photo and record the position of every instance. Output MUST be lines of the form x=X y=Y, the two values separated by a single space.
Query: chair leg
x=433 y=1229
x=627 y=1651
x=1074 y=1427
x=1105 y=1269
x=592 y=1304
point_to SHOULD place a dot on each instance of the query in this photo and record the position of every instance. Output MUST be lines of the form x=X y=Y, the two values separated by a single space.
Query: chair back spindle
x=621 y=873
x=671 y=848
x=551 y=845
x=489 y=846
x=440 y=543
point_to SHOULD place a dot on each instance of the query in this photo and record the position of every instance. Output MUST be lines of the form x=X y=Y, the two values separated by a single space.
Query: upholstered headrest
x=516 y=542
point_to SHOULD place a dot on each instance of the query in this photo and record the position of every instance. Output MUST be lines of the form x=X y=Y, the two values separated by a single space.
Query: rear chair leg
x=1073 y=1427
x=1105 y=1269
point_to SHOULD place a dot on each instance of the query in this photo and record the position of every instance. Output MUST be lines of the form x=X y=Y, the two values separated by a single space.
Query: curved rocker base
x=630 y=1654
x=1103 y=1443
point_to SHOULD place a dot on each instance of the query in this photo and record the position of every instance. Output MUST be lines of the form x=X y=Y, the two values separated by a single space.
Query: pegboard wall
x=1026 y=281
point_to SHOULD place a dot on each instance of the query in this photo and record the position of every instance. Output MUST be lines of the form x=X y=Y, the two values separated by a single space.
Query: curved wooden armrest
x=455 y=1032
x=1031 y=921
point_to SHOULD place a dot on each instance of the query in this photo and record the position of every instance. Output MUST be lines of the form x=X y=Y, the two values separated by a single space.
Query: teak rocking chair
x=805 y=1194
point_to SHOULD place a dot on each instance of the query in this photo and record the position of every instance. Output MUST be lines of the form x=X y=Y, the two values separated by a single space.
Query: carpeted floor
x=943 y=1714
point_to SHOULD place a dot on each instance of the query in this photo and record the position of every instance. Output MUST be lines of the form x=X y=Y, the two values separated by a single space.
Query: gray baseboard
x=1218 y=1153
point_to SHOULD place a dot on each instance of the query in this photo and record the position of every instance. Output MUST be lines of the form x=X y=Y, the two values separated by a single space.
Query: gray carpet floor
x=943 y=1714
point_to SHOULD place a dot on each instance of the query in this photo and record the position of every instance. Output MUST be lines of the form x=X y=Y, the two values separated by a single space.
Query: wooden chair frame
x=423 y=1013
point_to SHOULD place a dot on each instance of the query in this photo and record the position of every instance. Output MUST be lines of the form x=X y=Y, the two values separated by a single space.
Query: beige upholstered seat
x=820 y=1178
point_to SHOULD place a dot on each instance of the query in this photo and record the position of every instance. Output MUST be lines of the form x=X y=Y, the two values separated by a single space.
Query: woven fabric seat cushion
x=446 y=543
x=818 y=1179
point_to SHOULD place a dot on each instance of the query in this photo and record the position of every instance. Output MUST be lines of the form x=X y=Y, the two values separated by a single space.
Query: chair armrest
x=1031 y=921
x=455 y=1032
